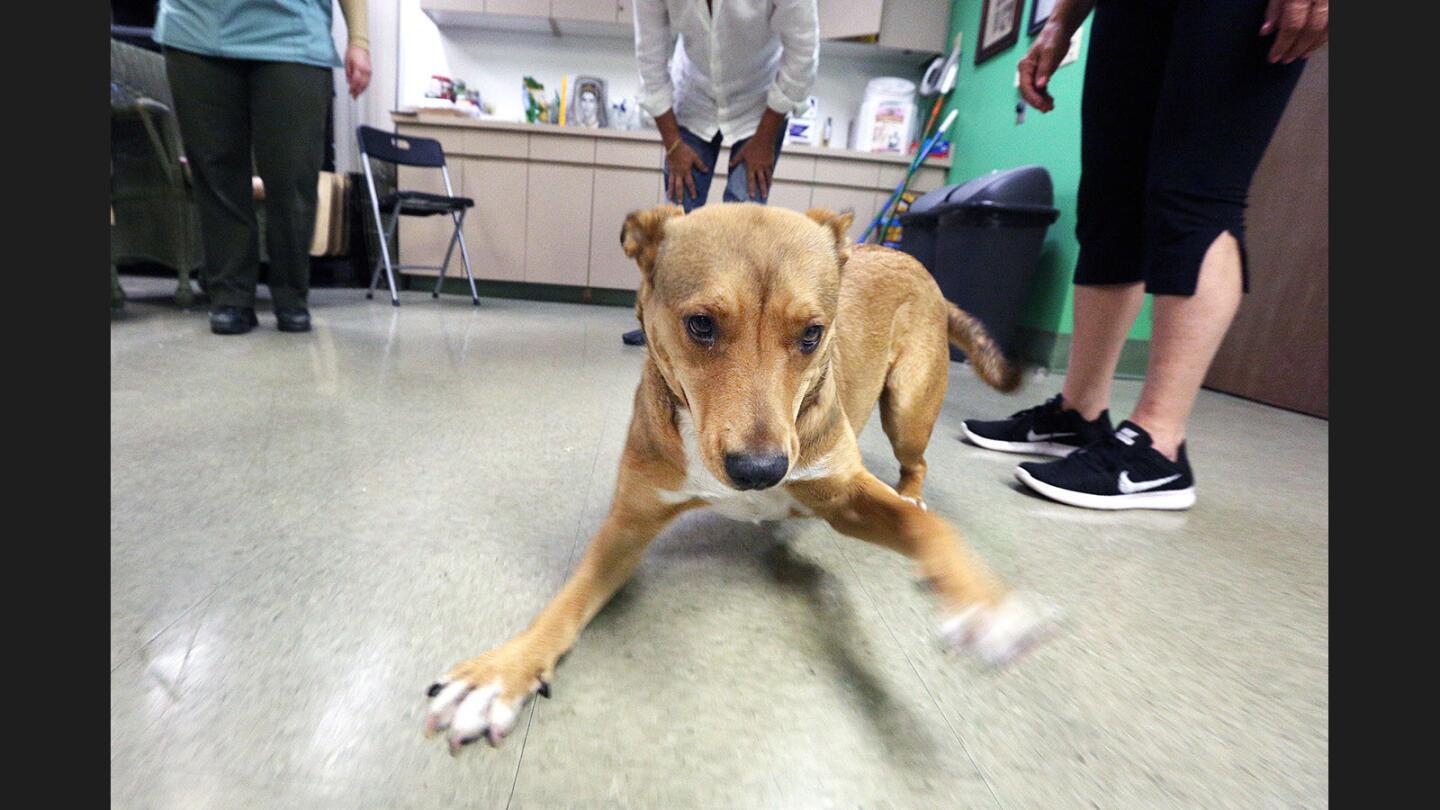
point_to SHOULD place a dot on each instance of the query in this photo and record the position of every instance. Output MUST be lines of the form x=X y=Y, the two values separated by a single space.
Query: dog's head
x=738 y=302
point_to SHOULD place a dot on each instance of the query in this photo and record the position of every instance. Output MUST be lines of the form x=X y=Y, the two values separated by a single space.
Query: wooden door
x=1278 y=350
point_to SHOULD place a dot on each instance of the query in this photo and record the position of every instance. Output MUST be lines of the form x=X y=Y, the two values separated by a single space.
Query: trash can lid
x=1023 y=185
x=1025 y=188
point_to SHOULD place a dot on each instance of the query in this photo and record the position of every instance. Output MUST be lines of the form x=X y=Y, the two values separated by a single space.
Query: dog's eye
x=701 y=328
x=810 y=339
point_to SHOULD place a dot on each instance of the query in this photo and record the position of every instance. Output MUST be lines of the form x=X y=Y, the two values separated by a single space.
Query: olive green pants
x=235 y=114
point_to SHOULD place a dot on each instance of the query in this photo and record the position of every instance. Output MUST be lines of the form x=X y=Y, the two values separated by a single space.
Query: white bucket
x=887 y=116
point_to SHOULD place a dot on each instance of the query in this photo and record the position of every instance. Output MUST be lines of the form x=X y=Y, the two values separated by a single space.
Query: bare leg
x=1187 y=333
x=1104 y=314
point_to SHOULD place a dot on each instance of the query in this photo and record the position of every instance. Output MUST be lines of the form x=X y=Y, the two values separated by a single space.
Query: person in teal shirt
x=252 y=86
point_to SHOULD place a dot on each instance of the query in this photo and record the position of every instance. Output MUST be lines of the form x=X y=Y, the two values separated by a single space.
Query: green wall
x=986 y=137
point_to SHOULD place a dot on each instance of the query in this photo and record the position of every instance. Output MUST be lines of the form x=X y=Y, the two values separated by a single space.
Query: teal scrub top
x=264 y=30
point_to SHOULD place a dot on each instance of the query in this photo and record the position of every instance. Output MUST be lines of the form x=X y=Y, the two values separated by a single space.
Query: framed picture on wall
x=1039 y=14
x=999 y=27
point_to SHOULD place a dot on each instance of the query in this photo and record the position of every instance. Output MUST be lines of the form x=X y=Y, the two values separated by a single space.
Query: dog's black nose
x=757 y=471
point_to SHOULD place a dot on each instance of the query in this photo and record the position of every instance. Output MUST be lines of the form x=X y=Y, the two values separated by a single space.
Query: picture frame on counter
x=999 y=27
x=588 y=103
x=1040 y=11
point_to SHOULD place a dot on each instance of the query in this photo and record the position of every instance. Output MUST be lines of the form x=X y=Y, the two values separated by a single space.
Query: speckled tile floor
x=305 y=529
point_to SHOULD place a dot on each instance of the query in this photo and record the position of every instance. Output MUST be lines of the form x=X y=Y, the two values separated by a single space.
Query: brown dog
x=770 y=340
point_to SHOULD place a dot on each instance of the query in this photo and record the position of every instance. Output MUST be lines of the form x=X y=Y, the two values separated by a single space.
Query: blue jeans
x=736 y=187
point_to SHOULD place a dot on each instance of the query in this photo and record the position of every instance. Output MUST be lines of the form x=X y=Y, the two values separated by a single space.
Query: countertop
x=444 y=120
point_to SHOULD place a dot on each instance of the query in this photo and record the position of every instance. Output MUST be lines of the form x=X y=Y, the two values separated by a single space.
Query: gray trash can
x=981 y=241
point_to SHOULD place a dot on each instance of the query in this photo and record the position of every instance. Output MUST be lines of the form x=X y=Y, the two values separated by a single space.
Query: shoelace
x=1101 y=455
x=1050 y=405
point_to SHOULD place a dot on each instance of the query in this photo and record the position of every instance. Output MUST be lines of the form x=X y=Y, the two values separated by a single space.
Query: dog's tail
x=967 y=333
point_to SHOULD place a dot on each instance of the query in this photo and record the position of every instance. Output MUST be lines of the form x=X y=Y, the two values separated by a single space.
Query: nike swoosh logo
x=1131 y=487
x=1032 y=436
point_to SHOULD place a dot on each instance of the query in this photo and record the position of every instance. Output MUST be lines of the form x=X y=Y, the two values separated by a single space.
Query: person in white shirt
x=739 y=69
x=723 y=70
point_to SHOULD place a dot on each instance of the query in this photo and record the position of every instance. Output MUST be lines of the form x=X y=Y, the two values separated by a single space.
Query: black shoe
x=232 y=320
x=1121 y=471
x=1047 y=429
x=292 y=319
x=635 y=337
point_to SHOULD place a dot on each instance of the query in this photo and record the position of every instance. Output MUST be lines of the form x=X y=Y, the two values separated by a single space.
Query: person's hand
x=1303 y=26
x=758 y=155
x=1037 y=66
x=680 y=161
x=357 y=69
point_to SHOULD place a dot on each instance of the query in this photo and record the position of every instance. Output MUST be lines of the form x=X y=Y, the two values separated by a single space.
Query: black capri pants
x=1180 y=102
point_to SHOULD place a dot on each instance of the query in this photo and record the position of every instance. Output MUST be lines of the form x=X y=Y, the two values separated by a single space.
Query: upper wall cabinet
x=517 y=8
x=841 y=19
x=911 y=25
x=585 y=10
x=883 y=25
x=594 y=17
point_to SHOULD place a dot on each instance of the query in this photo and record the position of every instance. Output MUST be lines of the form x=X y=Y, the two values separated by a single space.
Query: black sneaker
x=1047 y=429
x=1121 y=471
x=635 y=337
x=232 y=320
x=292 y=319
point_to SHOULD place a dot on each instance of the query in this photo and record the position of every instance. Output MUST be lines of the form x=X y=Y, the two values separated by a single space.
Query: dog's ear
x=839 y=226
x=642 y=233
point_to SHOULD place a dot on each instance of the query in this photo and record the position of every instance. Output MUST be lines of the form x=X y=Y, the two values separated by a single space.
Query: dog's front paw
x=997 y=634
x=482 y=697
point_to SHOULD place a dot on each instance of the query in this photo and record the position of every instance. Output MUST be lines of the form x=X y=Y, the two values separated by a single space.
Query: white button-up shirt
x=729 y=64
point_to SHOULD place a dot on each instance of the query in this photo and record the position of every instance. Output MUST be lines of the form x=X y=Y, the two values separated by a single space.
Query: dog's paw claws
x=999 y=634
x=482 y=698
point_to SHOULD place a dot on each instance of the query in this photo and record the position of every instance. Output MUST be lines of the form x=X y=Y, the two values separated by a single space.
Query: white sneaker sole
x=1033 y=448
x=1171 y=499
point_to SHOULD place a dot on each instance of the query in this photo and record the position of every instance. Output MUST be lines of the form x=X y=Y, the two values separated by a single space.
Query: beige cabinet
x=916 y=25
x=557 y=223
x=789 y=194
x=587 y=10
x=495 y=227
x=518 y=8
x=840 y=19
x=423 y=240
x=617 y=193
x=836 y=198
x=913 y=25
x=470 y=6
x=549 y=202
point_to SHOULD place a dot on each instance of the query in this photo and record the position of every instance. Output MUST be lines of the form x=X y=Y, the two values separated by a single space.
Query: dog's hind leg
x=909 y=405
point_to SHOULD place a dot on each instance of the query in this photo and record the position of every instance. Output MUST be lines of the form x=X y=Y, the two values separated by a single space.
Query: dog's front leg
x=981 y=615
x=482 y=697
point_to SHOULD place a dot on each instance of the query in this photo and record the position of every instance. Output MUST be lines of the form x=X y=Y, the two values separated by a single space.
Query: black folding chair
x=425 y=153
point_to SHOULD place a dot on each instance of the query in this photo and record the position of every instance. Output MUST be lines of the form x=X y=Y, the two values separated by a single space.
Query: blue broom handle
x=914 y=166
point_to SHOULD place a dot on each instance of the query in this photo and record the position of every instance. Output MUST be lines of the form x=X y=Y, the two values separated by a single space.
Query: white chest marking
x=775 y=503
